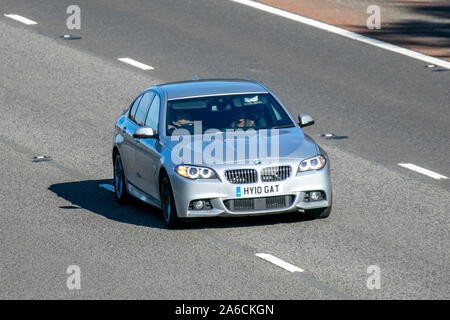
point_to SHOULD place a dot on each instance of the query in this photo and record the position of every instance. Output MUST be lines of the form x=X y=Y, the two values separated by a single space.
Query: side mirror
x=305 y=120
x=144 y=133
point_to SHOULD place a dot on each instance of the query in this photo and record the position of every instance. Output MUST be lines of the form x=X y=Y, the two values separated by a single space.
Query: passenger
x=243 y=121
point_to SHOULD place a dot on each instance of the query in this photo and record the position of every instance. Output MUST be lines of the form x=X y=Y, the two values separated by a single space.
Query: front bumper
x=217 y=192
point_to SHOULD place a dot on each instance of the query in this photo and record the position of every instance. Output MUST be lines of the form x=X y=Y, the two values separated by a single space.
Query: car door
x=137 y=121
x=127 y=146
x=148 y=153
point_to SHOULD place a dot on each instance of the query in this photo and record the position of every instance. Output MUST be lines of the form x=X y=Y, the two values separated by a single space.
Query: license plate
x=245 y=191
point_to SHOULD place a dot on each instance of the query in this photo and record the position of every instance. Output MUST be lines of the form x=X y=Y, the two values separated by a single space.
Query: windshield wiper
x=284 y=126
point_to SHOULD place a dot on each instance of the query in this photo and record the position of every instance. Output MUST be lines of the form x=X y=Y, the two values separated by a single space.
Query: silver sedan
x=208 y=148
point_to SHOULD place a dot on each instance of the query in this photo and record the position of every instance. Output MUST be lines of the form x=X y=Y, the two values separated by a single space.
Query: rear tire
x=320 y=213
x=168 y=203
x=120 y=186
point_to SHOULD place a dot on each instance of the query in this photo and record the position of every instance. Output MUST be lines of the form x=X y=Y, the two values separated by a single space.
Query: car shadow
x=89 y=195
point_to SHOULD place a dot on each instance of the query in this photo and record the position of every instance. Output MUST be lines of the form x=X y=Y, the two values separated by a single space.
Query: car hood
x=287 y=145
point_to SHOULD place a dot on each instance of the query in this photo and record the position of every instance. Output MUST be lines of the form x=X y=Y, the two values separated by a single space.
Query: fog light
x=199 y=205
x=315 y=195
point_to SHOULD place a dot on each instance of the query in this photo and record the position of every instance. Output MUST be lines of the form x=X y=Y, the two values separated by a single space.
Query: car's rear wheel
x=320 y=213
x=120 y=188
x=168 y=203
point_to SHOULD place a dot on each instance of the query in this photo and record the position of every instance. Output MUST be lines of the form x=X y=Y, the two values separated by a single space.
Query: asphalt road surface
x=59 y=98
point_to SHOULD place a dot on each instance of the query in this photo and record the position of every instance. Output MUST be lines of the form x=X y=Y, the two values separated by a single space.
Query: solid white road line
x=279 y=262
x=421 y=170
x=345 y=33
x=20 y=19
x=136 y=64
x=107 y=187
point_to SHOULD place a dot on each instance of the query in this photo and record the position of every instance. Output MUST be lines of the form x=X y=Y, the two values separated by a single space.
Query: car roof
x=209 y=87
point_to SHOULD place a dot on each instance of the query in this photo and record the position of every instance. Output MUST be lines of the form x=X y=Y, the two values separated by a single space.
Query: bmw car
x=209 y=148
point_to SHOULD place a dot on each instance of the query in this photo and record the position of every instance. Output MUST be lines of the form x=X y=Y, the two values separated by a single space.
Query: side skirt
x=141 y=195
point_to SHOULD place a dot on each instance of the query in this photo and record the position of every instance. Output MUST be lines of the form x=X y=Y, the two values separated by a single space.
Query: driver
x=183 y=118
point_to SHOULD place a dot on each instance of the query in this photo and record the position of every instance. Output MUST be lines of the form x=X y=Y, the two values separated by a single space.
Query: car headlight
x=316 y=163
x=195 y=172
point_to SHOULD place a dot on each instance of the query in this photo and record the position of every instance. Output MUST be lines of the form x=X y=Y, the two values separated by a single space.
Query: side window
x=142 y=110
x=153 y=114
x=134 y=107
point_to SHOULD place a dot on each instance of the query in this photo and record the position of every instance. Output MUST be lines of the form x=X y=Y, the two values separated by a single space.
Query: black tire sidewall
x=320 y=213
x=173 y=218
x=124 y=197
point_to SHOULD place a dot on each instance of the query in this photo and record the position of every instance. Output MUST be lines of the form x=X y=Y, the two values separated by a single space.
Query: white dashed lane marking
x=107 y=187
x=136 y=64
x=277 y=261
x=421 y=170
x=20 y=19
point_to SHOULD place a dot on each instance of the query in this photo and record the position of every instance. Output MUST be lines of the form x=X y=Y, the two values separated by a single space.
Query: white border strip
x=20 y=19
x=345 y=33
x=136 y=64
x=279 y=262
x=421 y=170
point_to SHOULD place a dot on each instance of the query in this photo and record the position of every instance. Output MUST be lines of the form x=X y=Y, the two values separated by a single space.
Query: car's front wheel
x=120 y=188
x=320 y=213
x=168 y=203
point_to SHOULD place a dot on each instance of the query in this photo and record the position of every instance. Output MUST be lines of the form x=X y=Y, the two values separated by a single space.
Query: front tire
x=120 y=187
x=320 y=213
x=168 y=203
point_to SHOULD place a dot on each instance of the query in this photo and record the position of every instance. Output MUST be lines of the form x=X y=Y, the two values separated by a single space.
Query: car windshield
x=226 y=112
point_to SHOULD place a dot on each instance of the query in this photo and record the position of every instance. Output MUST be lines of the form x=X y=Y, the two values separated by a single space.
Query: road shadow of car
x=88 y=195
